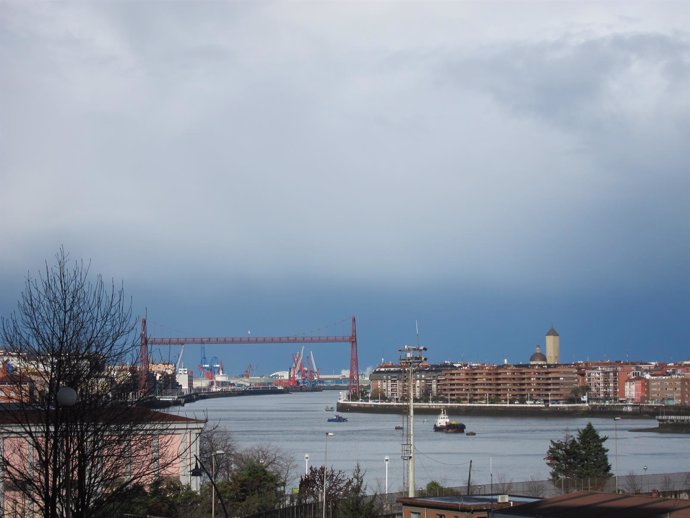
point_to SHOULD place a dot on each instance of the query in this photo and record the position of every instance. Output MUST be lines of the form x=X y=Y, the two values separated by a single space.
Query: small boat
x=398 y=427
x=329 y=408
x=337 y=419
x=444 y=424
x=471 y=434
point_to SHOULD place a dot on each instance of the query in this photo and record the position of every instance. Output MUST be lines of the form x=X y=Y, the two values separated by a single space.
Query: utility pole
x=410 y=357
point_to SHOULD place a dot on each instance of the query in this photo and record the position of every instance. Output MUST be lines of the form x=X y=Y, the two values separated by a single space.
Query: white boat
x=444 y=424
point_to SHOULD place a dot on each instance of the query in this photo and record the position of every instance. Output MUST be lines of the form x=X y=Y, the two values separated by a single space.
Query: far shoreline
x=626 y=411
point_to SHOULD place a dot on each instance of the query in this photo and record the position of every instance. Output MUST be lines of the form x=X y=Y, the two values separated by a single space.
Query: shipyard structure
x=541 y=380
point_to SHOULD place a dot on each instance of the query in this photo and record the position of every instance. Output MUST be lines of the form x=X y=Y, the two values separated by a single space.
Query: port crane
x=301 y=374
x=147 y=341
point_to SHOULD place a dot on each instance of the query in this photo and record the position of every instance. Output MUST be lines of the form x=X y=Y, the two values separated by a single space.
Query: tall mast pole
x=410 y=357
x=411 y=491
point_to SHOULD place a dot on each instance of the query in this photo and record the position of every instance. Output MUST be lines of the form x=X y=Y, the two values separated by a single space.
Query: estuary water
x=505 y=449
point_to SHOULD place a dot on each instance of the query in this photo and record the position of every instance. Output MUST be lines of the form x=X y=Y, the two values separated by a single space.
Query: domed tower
x=552 y=346
x=538 y=357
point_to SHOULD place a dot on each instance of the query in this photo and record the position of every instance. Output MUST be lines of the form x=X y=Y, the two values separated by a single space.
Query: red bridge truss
x=147 y=341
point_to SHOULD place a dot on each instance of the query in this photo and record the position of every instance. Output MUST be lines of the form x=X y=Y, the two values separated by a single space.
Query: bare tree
x=217 y=439
x=535 y=487
x=668 y=483
x=632 y=483
x=338 y=485
x=503 y=485
x=78 y=460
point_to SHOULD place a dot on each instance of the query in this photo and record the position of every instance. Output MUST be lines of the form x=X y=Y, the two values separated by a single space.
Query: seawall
x=513 y=410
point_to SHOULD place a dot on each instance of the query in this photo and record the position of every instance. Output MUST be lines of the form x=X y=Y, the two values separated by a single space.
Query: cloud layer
x=511 y=147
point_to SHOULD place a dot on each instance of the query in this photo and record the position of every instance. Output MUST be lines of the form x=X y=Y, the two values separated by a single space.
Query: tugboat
x=444 y=424
x=337 y=419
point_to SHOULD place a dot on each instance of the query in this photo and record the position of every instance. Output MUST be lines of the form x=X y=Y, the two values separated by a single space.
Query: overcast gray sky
x=492 y=168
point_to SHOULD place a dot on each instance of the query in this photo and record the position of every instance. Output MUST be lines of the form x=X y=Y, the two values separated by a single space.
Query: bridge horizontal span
x=229 y=340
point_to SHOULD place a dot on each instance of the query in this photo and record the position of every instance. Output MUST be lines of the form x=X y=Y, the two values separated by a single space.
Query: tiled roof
x=588 y=504
x=11 y=414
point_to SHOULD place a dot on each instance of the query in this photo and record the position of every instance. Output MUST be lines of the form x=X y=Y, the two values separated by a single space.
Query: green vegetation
x=356 y=504
x=580 y=461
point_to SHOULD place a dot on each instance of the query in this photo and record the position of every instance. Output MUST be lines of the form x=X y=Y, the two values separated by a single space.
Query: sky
x=463 y=175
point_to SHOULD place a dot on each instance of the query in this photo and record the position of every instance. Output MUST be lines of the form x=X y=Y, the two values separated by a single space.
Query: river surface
x=505 y=448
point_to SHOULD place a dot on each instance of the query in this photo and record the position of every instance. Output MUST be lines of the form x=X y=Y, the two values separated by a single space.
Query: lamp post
x=325 y=469
x=491 y=474
x=615 y=442
x=213 y=479
x=67 y=398
x=410 y=357
x=198 y=471
x=306 y=464
x=385 y=460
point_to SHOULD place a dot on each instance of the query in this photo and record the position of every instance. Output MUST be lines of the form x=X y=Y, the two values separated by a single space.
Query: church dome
x=538 y=356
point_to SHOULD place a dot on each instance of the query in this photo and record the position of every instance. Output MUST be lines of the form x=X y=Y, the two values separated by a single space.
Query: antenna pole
x=411 y=357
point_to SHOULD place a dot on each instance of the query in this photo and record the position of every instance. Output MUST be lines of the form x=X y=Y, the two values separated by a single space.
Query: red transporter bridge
x=147 y=341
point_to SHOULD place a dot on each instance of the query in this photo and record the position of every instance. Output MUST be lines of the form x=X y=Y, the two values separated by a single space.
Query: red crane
x=146 y=341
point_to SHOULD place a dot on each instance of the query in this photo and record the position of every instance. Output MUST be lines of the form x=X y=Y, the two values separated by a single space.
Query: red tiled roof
x=602 y=505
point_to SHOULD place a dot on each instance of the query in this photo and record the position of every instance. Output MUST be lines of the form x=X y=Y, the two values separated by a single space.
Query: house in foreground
x=146 y=444
x=458 y=506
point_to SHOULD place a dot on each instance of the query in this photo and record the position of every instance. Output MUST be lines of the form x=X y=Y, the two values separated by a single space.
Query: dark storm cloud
x=196 y=149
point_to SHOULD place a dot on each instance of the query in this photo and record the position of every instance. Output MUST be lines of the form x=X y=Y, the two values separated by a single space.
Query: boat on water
x=398 y=427
x=329 y=408
x=337 y=419
x=471 y=434
x=445 y=424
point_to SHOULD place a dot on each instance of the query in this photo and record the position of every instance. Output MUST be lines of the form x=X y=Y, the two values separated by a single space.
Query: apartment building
x=508 y=383
x=668 y=390
x=636 y=390
x=602 y=383
x=390 y=381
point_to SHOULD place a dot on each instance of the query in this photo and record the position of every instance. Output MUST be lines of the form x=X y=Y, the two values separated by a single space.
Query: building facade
x=668 y=390
x=508 y=383
x=390 y=381
x=602 y=383
x=164 y=445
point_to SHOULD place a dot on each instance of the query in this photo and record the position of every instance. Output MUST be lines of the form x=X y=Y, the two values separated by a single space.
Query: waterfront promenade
x=513 y=409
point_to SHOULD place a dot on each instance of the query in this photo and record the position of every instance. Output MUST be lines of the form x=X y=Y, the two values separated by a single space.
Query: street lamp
x=386 y=459
x=411 y=357
x=198 y=470
x=615 y=441
x=67 y=398
x=213 y=479
x=325 y=469
x=306 y=464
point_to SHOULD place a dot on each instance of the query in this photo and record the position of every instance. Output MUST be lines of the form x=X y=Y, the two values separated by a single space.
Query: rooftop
x=592 y=504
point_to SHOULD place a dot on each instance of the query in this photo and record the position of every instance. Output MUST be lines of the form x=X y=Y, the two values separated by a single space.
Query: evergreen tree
x=562 y=458
x=579 y=459
x=592 y=458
